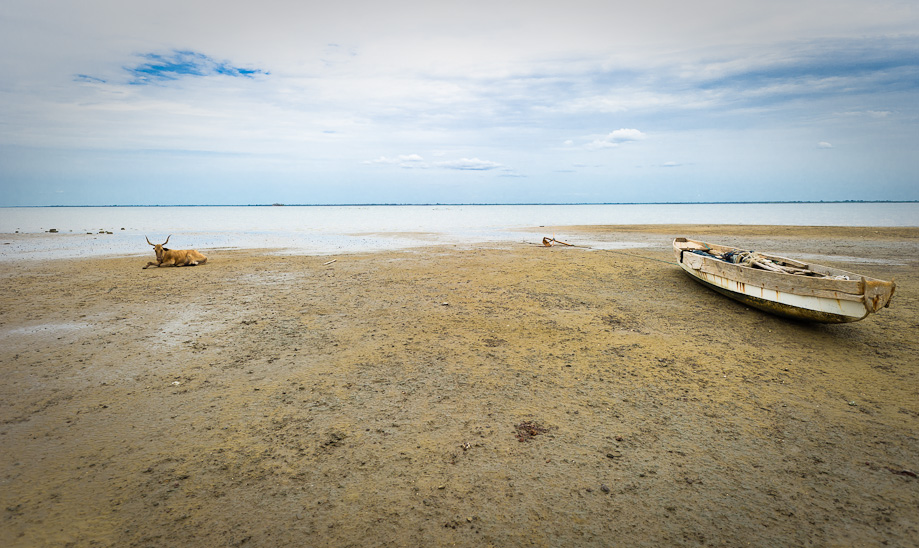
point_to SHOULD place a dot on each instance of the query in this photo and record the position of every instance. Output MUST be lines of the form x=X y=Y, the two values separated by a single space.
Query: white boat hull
x=789 y=304
x=810 y=292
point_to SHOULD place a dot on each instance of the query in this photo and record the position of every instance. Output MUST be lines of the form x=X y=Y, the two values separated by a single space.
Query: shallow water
x=102 y=231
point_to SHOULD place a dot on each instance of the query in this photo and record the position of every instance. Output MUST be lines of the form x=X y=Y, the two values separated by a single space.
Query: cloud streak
x=414 y=161
x=616 y=138
x=469 y=164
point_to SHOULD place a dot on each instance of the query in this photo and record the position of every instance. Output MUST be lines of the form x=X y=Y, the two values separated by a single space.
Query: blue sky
x=124 y=102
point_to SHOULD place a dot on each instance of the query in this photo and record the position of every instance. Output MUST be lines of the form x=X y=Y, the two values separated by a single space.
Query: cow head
x=158 y=248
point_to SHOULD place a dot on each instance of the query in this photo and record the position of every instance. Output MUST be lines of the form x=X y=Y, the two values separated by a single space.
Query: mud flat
x=492 y=395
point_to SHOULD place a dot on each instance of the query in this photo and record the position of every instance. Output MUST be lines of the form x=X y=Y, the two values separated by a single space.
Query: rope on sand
x=642 y=257
x=547 y=242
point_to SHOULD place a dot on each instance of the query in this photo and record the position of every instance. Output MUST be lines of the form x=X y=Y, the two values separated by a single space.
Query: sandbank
x=482 y=395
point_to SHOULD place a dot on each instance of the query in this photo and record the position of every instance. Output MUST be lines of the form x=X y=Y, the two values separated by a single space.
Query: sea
x=70 y=232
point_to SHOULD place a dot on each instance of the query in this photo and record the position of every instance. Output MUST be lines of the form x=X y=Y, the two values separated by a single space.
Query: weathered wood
x=824 y=287
x=773 y=284
x=783 y=282
x=877 y=294
x=546 y=241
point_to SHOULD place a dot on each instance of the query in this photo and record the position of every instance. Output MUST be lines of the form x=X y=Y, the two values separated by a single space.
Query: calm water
x=337 y=229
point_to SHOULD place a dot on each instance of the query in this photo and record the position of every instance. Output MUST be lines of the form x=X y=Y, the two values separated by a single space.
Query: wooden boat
x=783 y=286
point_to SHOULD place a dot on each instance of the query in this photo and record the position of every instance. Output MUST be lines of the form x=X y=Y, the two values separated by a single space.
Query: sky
x=119 y=102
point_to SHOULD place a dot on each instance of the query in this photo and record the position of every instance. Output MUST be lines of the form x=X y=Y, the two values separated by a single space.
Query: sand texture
x=507 y=395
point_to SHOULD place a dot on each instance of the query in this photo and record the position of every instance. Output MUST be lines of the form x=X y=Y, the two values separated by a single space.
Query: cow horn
x=167 y=239
x=148 y=241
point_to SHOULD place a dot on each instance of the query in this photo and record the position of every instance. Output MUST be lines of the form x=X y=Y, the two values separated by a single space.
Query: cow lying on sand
x=174 y=257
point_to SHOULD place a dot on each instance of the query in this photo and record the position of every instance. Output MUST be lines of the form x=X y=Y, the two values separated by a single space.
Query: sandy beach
x=488 y=395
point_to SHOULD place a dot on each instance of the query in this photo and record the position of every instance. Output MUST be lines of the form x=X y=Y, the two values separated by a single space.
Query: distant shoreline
x=480 y=204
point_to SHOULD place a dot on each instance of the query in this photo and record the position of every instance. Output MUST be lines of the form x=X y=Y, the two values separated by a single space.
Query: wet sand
x=497 y=395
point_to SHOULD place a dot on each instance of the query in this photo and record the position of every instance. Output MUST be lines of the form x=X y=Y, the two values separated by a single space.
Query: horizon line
x=424 y=204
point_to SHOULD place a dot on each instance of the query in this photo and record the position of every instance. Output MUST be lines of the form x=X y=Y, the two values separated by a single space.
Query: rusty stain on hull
x=781 y=309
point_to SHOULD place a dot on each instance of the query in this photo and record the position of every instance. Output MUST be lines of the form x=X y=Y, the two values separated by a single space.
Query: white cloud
x=623 y=100
x=621 y=135
x=824 y=144
x=414 y=161
x=615 y=138
x=469 y=164
x=408 y=161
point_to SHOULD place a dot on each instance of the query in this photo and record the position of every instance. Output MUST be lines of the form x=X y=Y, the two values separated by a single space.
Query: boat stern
x=877 y=294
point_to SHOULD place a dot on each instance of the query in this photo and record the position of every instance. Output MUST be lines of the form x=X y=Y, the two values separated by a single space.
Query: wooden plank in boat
x=850 y=290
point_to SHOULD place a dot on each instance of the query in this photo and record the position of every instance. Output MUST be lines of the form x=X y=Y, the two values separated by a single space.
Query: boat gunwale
x=855 y=285
x=850 y=290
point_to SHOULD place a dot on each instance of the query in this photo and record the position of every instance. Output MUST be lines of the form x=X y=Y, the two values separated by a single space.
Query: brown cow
x=174 y=257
